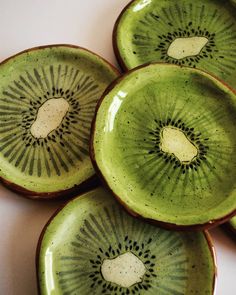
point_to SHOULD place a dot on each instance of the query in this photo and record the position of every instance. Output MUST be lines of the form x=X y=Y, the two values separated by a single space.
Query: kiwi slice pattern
x=46 y=108
x=208 y=51
x=195 y=139
x=110 y=252
x=105 y=249
x=52 y=150
x=198 y=34
x=168 y=150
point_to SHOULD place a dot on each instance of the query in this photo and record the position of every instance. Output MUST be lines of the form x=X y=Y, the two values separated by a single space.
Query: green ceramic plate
x=92 y=246
x=47 y=101
x=164 y=141
x=198 y=34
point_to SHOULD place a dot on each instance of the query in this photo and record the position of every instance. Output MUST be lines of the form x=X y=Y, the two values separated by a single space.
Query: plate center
x=125 y=270
x=49 y=117
x=174 y=141
x=186 y=47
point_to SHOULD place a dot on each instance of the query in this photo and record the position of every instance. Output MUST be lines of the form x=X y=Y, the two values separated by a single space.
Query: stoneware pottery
x=198 y=34
x=164 y=142
x=92 y=246
x=47 y=101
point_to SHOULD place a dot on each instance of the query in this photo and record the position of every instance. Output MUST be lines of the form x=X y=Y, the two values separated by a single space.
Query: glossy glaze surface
x=49 y=22
x=41 y=86
x=149 y=30
x=94 y=227
x=128 y=136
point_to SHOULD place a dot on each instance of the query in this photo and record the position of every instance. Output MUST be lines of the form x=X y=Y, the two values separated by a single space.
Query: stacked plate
x=161 y=138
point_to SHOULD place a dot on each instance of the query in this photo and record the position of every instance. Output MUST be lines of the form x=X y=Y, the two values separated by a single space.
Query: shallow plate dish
x=198 y=34
x=47 y=101
x=164 y=141
x=92 y=246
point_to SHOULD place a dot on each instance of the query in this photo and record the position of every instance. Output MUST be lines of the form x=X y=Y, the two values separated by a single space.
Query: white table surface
x=88 y=23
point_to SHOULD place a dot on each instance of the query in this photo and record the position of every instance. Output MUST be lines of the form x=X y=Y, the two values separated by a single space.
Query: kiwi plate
x=163 y=141
x=198 y=34
x=107 y=251
x=48 y=96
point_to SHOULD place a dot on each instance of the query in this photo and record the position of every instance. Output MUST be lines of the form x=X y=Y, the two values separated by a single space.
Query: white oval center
x=174 y=141
x=185 y=47
x=125 y=270
x=49 y=117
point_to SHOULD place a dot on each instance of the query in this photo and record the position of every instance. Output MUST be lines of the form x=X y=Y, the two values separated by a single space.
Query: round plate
x=47 y=101
x=198 y=34
x=164 y=142
x=106 y=251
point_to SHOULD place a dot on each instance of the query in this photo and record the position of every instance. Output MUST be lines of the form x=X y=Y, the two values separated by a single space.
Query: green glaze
x=128 y=139
x=232 y=223
x=60 y=160
x=93 y=227
x=147 y=28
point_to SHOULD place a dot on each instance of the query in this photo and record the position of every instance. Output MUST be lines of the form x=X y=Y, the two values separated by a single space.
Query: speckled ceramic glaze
x=164 y=142
x=47 y=101
x=93 y=230
x=198 y=34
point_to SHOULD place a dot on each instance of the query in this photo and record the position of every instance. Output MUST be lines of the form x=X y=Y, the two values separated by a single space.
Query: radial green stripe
x=99 y=227
x=27 y=85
